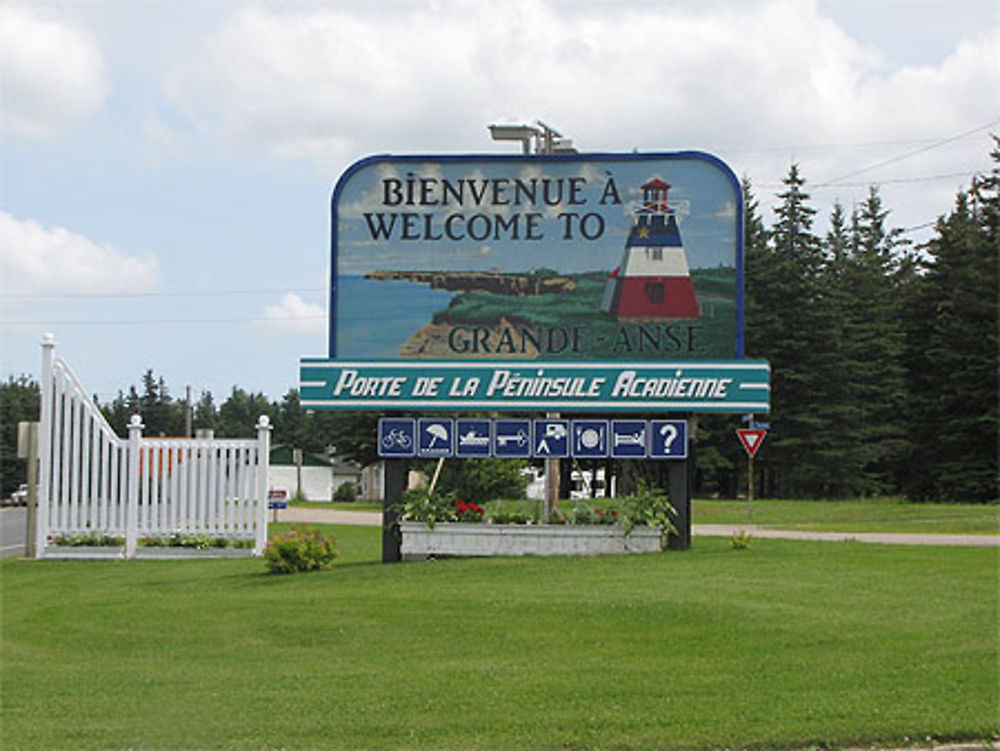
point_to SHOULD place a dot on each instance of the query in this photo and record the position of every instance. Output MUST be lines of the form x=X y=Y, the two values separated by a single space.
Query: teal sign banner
x=736 y=386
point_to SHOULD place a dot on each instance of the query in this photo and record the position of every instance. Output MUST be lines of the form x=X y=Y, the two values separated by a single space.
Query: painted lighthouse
x=653 y=281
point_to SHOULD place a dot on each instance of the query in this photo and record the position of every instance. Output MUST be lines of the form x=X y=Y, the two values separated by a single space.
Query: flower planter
x=82 y=552
x=157 y=553
x=148 y=553
x=449 y=538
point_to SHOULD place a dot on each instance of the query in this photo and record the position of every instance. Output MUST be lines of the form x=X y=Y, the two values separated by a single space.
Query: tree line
x=884 y=360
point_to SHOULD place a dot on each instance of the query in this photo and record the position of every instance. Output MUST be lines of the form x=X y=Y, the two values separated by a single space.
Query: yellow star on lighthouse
x=643 y=231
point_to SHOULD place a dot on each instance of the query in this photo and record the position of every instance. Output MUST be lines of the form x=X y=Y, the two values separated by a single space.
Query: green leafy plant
x=193 y=541
x=300 y=550
x=647 y=508
x=511 y=517
x=584 y=513
x=88 y=539
x=422 y=506
x=740 y=540
x=347 y=492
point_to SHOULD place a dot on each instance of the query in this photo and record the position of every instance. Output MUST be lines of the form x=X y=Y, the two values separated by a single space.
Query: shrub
x=300 y=550
x=347 y=492
x=740 y=540
x=485 y=479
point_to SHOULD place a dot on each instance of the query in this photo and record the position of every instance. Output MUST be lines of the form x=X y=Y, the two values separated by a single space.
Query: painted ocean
x=375 y=318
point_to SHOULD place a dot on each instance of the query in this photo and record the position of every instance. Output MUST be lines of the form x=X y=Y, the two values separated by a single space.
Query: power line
x=888 y=181
x=908 y=154
x=108 y=295
x=162 y=321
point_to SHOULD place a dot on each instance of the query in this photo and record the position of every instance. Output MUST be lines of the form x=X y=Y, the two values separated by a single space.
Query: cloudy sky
x=166 y=165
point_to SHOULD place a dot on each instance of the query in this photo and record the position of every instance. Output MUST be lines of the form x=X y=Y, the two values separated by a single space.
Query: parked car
x=20 y=496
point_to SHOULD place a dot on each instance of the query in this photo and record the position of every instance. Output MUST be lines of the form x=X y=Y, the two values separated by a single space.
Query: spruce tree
x=841 y=450
x=872 y=340
x=791 y=326
x=952 y=346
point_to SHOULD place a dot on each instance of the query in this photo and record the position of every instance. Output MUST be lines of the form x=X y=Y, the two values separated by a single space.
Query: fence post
x=263 y=462
x=132 y=502
x=47 y=391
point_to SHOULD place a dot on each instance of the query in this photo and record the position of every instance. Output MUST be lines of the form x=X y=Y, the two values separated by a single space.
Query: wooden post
x=263 y=462
x=396 y=471
x=132 y=499
x=45 y=448
x=679 y=478
x=552 y=481
x=27 y=448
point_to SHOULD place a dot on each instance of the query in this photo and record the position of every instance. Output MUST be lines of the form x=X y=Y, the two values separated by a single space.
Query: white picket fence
x=92 y=482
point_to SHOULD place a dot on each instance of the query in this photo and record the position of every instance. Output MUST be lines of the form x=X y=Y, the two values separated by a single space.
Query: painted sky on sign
x=702 y=192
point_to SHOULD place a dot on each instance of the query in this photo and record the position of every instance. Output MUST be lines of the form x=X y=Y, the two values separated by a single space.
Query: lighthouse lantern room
x=653 y=281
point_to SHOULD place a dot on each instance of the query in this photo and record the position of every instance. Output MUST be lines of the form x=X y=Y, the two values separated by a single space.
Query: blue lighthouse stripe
x=658 y=233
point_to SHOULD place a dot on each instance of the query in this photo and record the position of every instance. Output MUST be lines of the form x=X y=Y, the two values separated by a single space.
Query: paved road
x=884 y=538
x=12 y=531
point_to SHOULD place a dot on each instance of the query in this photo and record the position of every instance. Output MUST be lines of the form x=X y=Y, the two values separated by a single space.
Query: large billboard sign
x=580 y=257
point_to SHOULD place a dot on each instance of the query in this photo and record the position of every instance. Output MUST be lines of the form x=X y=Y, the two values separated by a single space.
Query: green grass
x=869 y=515
x=786 y=644
x=340 y=505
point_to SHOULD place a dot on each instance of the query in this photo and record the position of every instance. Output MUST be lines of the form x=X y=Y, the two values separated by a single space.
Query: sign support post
x=679 y=483
x=552 y=483
x=751 y=438
x=27 y=448
x=392 y=495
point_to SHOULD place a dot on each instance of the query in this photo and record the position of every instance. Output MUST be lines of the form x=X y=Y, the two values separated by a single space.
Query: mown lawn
x=867 y=515
x=786 y=644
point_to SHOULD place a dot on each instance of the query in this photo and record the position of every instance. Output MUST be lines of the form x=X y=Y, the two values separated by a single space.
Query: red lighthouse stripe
x=657 y=297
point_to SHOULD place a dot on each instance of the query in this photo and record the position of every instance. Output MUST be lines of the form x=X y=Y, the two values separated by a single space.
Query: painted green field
x=599 y=336
x=786 y=644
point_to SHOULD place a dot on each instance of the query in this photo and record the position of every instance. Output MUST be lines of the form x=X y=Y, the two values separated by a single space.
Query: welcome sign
x=594 y=256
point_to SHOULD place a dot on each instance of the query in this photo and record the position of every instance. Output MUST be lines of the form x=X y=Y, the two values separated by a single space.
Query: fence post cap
x=48 y=339
x=135 y=421
x=264 y=423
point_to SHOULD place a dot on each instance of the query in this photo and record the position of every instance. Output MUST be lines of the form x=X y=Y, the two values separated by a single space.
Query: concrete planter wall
x=450 y=538
x=86 y=552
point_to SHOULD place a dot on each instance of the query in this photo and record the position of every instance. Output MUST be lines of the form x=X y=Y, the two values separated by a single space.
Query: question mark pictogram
x=670 y=431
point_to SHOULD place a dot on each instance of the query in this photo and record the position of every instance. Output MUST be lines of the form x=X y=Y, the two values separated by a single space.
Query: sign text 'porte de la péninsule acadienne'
x=592 y=281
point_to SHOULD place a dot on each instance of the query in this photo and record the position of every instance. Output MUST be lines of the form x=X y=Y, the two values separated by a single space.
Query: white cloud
x=51 y=74
x=328 y=85
x=53 y=260
x=292 y=316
